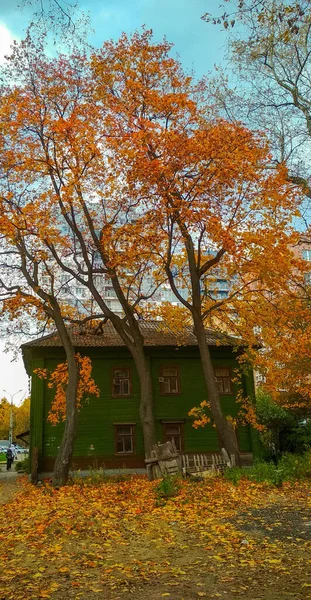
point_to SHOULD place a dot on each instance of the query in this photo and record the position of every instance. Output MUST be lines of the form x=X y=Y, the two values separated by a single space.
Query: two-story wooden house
x=109 y=429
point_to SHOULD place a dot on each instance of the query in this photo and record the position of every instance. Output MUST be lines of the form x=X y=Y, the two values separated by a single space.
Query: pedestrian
x=9 y=458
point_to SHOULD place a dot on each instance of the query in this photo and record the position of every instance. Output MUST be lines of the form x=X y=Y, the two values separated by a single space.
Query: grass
x=290 y=468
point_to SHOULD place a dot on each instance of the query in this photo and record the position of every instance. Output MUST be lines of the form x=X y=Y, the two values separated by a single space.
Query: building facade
x=109 y=430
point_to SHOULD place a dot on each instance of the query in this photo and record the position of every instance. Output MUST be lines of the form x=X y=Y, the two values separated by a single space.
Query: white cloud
x=6 y=40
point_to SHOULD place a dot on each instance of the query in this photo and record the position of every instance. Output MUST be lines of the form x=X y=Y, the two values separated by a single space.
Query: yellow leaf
x=274 y=561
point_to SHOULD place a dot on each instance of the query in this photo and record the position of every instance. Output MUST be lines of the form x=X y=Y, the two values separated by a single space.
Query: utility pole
x=11 y=414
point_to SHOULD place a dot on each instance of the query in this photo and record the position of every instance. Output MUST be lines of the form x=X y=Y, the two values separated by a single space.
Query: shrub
x=295 y=466
x=22 y=465
x=290 y=467
x=259 y=472
x=168 y=487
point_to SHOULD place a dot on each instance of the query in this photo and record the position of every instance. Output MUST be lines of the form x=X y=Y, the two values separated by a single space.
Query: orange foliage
x=147 y=185
x=58 y=379
x=218 y=209
x=246 y=415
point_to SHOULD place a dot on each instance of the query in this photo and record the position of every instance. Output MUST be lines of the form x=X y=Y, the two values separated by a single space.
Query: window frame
x=115 y=426
x=231 y=393
x=130 y=382
x=166 y=438
x=162 y=393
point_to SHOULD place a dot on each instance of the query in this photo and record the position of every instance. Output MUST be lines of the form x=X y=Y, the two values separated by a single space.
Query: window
x=169 y=380
x=306 y=254
x=81 y=292
x=174 y=431
x=121 y=382
x=222 y=376
x=124 y=439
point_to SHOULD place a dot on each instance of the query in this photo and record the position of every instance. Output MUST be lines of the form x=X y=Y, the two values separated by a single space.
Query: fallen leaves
x=114 y=540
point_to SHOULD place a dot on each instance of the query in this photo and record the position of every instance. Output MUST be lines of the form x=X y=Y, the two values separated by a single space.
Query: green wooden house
x=109 y=429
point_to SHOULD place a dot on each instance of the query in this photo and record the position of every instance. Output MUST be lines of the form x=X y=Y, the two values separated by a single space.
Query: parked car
x=20 y=449
x=4 y=444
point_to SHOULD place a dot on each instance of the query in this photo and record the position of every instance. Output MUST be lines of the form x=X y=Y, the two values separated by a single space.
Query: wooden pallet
x=163 y=461
x=200 y=463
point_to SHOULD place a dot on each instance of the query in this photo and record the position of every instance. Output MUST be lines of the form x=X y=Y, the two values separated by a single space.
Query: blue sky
x=199 y=46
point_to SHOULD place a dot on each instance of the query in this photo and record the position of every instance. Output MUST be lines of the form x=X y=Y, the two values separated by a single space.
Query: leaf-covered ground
x=120 y=541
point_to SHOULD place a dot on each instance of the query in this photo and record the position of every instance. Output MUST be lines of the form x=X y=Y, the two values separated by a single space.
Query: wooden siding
x=95 y=440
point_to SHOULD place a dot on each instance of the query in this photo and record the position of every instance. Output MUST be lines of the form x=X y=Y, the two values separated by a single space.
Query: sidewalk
x=8 y=474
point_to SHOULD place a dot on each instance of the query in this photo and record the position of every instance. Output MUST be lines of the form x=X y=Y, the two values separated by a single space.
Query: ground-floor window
x=124 y=438
x=174 y=431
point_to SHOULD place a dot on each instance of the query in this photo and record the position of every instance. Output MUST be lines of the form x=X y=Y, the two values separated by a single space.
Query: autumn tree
x=270 y=53
x=270 y=56
x=21 y=418
x=216 y=206
x=73 y=201
x=23 y=296
x=62 y=21
x=148 y=185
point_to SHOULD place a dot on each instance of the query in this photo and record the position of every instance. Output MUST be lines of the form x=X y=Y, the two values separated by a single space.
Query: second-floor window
x=222 y=376
x=169 y=380
x=306 y=254
x=121 y=382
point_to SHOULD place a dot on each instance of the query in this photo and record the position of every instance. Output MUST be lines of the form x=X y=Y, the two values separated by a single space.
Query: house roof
x=155 y=333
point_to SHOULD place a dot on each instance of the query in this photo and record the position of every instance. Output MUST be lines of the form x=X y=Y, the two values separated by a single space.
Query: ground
x=122 y=540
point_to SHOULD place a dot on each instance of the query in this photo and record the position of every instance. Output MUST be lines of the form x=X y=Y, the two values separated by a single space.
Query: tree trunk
x=227 y=436
x=146 y=400
x=63 y=459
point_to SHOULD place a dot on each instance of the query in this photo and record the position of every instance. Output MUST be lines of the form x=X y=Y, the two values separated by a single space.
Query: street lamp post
x=11 y=414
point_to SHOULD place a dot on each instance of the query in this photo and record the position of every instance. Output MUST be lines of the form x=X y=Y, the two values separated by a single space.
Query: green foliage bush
x=291 y=467
x=168 y=487
x=297 y=438
x=22 y=465
x=287 y=430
